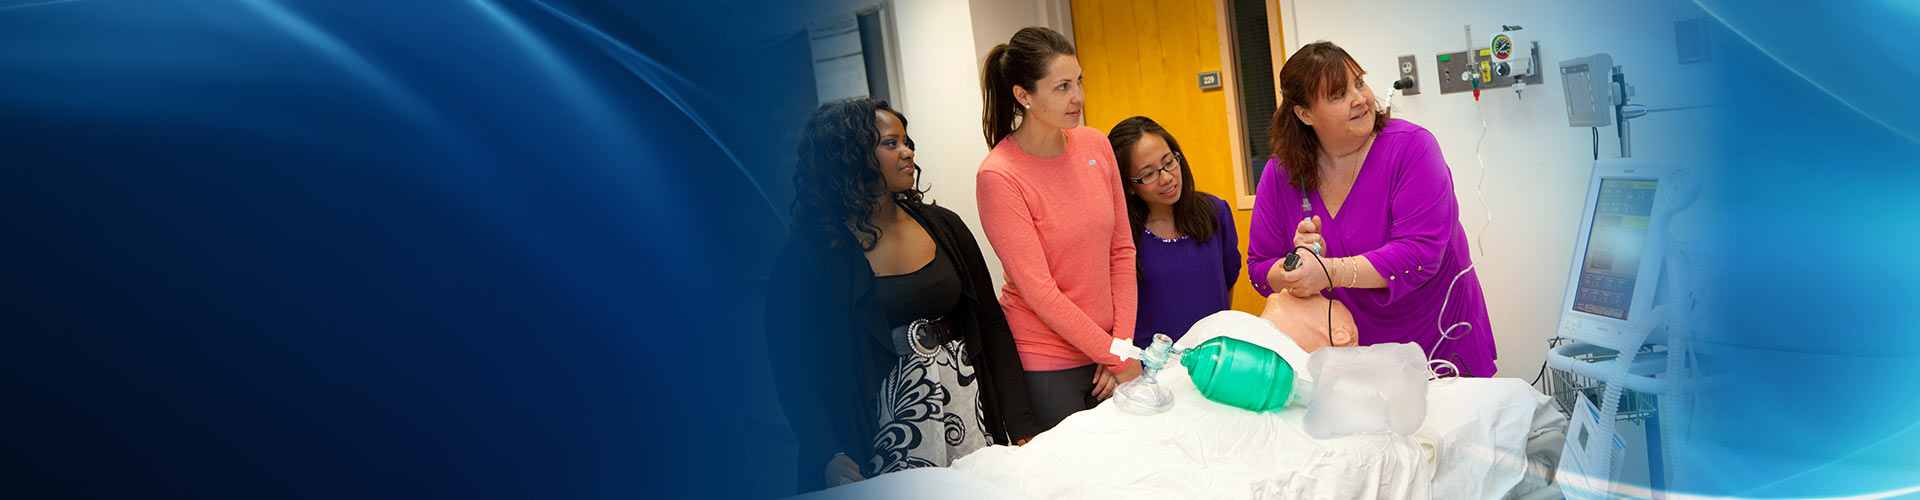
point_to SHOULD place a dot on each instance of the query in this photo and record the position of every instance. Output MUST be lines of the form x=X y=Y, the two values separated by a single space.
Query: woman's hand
x=1103 y=382
x=1306 y=280
x=842 y=471
x=1307 y=234
x=1133 y=371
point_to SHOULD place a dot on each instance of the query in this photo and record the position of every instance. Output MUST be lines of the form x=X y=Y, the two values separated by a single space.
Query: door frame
x=1230 y=77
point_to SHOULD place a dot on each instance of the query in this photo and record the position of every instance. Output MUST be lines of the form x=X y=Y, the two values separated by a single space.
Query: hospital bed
x=1482 y=439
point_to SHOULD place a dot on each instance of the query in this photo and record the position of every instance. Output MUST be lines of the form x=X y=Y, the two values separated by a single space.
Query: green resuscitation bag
x=1238 y=373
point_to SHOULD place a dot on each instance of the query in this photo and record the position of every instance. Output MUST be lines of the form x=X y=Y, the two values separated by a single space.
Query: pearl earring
x=1029 y=106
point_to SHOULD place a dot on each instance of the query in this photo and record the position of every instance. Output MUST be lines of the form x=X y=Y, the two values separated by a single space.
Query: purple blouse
x=1183 y=280
x=1402 y=216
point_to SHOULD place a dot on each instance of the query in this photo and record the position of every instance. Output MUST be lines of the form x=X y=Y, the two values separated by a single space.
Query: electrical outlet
x=1409 y=70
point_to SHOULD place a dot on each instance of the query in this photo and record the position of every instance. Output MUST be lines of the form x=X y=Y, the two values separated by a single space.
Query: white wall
x=942 y=77
x=1536 y=166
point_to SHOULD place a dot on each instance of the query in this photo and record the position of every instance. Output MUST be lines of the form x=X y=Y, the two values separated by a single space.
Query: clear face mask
x=1144 y=395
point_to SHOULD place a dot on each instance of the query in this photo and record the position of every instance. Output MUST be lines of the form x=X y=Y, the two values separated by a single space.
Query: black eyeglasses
x=1167 y=163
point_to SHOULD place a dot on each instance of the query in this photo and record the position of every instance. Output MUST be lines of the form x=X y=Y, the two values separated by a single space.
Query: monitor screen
x=1614 y=246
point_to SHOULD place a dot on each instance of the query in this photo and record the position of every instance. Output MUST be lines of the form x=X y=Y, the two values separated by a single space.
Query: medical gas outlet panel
x=1505 y=59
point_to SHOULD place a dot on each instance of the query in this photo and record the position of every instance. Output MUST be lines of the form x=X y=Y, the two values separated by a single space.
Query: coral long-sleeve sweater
x=1059 y=226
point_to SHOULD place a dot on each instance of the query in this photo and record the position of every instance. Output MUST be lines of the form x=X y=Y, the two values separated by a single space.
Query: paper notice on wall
x=839 y=68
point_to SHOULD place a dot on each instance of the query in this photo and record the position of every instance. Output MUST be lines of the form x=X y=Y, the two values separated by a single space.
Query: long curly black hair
x=837 y=175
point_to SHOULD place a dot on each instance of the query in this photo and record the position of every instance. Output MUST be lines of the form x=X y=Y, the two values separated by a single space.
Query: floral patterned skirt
x=929 y=411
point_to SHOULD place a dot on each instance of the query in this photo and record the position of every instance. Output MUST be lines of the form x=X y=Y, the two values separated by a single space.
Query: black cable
x=1329 y=274
x=1596 y=142
x=1543 y=363
x=1460 y=365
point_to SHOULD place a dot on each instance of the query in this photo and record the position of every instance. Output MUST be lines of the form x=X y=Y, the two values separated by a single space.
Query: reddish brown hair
x=1311 y=74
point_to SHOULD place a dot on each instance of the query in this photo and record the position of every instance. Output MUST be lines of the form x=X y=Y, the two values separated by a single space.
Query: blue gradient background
x=1812 y=391
x=515 y=249
x=453 y=249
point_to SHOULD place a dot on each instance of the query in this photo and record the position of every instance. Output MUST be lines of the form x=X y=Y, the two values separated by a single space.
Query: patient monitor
x=1617 y=271
x=1618 y=254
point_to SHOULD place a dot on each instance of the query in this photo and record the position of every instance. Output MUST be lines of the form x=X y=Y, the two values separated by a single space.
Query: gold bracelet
x=1353 y=277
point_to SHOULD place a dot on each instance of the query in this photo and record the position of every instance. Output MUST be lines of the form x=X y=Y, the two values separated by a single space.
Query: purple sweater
x=1184 y=280
x=1401 y=216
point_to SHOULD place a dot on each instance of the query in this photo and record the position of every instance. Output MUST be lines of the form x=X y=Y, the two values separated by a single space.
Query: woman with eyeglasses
x=1187 y=251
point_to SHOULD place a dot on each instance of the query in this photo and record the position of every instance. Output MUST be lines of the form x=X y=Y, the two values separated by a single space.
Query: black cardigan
x=830 y=344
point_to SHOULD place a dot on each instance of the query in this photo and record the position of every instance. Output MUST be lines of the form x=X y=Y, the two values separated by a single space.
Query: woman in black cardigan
x=888 y=347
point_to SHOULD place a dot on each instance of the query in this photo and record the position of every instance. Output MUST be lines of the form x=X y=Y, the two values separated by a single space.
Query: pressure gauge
x=1509 y=54
x=1502 y=47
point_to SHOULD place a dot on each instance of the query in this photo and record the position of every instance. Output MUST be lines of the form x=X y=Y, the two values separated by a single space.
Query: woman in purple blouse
x=1375 y=198
x=1188 y=252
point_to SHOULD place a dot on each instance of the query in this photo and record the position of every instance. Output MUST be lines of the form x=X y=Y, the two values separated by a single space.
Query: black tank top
x=927 y=293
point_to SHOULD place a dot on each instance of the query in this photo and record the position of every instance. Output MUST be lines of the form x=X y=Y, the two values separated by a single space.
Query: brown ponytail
x=1021 y=61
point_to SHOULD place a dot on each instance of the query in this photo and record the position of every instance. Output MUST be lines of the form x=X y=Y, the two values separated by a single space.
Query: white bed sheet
x=927 y=483
x=1471 y=445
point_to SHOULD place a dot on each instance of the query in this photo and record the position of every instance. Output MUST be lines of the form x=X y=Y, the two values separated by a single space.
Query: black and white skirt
x=929 y=411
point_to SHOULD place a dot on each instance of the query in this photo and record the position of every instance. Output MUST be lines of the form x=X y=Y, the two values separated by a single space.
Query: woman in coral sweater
x=1051 y=204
